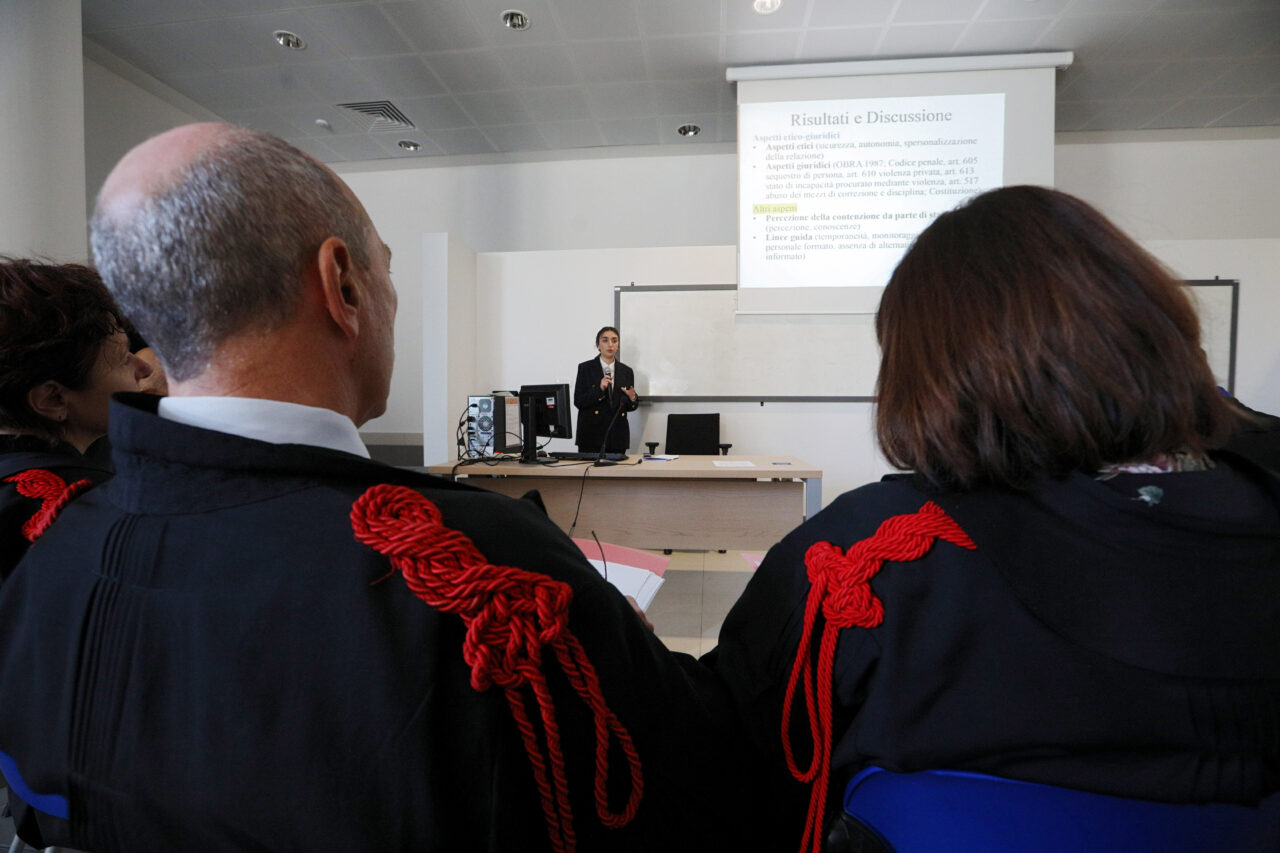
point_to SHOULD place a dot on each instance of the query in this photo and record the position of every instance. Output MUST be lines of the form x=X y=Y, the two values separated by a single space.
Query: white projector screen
x=840 y=166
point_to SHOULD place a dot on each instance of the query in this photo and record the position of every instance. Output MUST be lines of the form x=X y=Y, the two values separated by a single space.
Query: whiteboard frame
x=759 y=398
x=1215 y=304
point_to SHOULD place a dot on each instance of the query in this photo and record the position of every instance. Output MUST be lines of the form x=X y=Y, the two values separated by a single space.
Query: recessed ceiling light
x=766 y=7
x=323 y=124
x=688 y=130
x=516 y=20
x=409 y=145
x=293 y=41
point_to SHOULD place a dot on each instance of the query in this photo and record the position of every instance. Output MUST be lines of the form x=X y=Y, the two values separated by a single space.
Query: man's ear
x=338 y=283
x=48 y=401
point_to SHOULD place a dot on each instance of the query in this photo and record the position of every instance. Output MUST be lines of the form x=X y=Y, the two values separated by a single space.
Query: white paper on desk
x=734 y=463
x=631 y=571
x=664 y=458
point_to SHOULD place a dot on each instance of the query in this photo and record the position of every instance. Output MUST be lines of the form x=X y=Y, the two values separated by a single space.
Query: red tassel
x=52 y=492
x=511 y=615
x=839 y=584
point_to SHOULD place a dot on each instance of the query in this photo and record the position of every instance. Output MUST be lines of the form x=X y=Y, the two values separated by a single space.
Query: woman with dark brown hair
x=63 y=352
x=1072 y=587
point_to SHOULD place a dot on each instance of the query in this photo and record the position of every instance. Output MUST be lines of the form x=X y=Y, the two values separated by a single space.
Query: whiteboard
x=688 y=343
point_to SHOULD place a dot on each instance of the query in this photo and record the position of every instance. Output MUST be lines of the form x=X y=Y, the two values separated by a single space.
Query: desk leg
x=812 y=496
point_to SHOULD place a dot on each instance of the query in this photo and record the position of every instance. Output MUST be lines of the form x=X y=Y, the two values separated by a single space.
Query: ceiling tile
x=761 y=48
x=1096 y=7
x=1256 y=76
x=438 y=112
x=303 y=117
x=357 y=31
x=619 y=100
x=487 y=108
x=740 y=17
x=248 y=41
x=1259 y=111
x=1089 y=80
x=1117 y=115
x=630 y=131
x=1088 y=35
x=340 y=82
x=559 y=104
x=684 y=57
x=1001 y=10
x=1154 y=37
x=488 y=17
x=679 y=17
x=1009 y=36
x=516 y=137
x=355 y=147
x=1196 y=112
x=148 y=49
x=98 y=15
x=268 y=121
x=468 y=71
x=548 y=65
x=466 y=140
x=592 y=19
x=919 y=39
x=610 y=61
x=1073 y=115
x=840 y=45
x=399 y=76
x=316 y=148
x=390 y=143
x=1175 y=80
x=672 y=97
x=842 y=13
x=932 y=11
x=435 y=24
x=571 y=134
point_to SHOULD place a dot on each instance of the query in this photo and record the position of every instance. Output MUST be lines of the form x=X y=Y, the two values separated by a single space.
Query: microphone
x=616 y=403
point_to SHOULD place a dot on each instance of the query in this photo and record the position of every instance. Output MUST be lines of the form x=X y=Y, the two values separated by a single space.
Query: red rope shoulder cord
x=52 y=492
x=511 y=616
x=839 y=585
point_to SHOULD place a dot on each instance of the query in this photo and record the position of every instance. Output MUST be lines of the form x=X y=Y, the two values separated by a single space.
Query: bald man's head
x=201 y=234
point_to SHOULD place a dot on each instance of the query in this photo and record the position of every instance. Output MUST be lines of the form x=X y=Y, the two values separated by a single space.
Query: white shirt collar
x=605 y=366
x=273 y=421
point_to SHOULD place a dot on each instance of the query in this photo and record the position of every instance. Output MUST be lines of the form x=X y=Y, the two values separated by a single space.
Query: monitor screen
x=544 y=411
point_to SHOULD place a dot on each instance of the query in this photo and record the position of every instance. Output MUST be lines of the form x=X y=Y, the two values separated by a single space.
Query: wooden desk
x=688 y=503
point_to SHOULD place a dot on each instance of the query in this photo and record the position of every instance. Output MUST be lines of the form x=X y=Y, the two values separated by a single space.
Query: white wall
x=119 y=113
x=1204 y=203
x=42 y=130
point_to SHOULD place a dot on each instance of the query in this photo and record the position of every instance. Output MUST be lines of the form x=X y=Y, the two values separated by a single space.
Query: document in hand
x=633 y=572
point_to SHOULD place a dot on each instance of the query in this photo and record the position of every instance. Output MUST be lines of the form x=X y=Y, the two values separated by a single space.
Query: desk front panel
x=688 y=514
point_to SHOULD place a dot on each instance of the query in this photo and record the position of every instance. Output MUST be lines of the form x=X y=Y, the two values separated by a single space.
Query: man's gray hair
x=220 y=251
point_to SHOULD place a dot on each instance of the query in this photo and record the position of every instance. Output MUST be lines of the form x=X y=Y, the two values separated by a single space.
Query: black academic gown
x=209 y=660
x=1118 y=636
x=596 y=408
x=19 y=453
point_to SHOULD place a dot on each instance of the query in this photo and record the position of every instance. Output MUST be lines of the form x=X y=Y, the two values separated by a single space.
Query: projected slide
x=833 y=191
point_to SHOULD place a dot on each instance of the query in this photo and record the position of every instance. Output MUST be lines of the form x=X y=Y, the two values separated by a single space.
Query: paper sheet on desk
x=632 y=572
x=734 y=463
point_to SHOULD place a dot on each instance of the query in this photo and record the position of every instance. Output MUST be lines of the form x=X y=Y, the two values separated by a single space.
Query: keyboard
x=586 y=457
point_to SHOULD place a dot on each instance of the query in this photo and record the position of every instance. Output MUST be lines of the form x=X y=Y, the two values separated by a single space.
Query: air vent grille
x=379 y=115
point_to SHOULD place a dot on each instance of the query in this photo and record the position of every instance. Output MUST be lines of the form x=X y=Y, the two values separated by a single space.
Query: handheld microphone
x=616 y=402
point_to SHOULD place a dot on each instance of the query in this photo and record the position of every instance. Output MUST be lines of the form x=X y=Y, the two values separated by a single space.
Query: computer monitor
x=544 y=411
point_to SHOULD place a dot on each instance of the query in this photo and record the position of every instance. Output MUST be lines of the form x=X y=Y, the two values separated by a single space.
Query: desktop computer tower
x=493 y=424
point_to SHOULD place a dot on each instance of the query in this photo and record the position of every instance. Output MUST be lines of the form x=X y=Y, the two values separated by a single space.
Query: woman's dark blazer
x=595 y=411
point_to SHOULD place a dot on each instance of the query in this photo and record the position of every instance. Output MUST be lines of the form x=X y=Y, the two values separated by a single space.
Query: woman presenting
x=604 y=387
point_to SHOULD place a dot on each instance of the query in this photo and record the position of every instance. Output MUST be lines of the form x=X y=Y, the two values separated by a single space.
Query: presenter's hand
x=631 y=392
x=606 y=381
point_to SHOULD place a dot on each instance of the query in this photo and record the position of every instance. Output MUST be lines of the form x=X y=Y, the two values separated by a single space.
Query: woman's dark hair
x=1024 y=335
x=604 y=329
x=54 y=319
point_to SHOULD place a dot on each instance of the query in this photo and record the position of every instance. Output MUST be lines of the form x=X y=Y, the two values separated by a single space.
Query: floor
x=698 y=590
